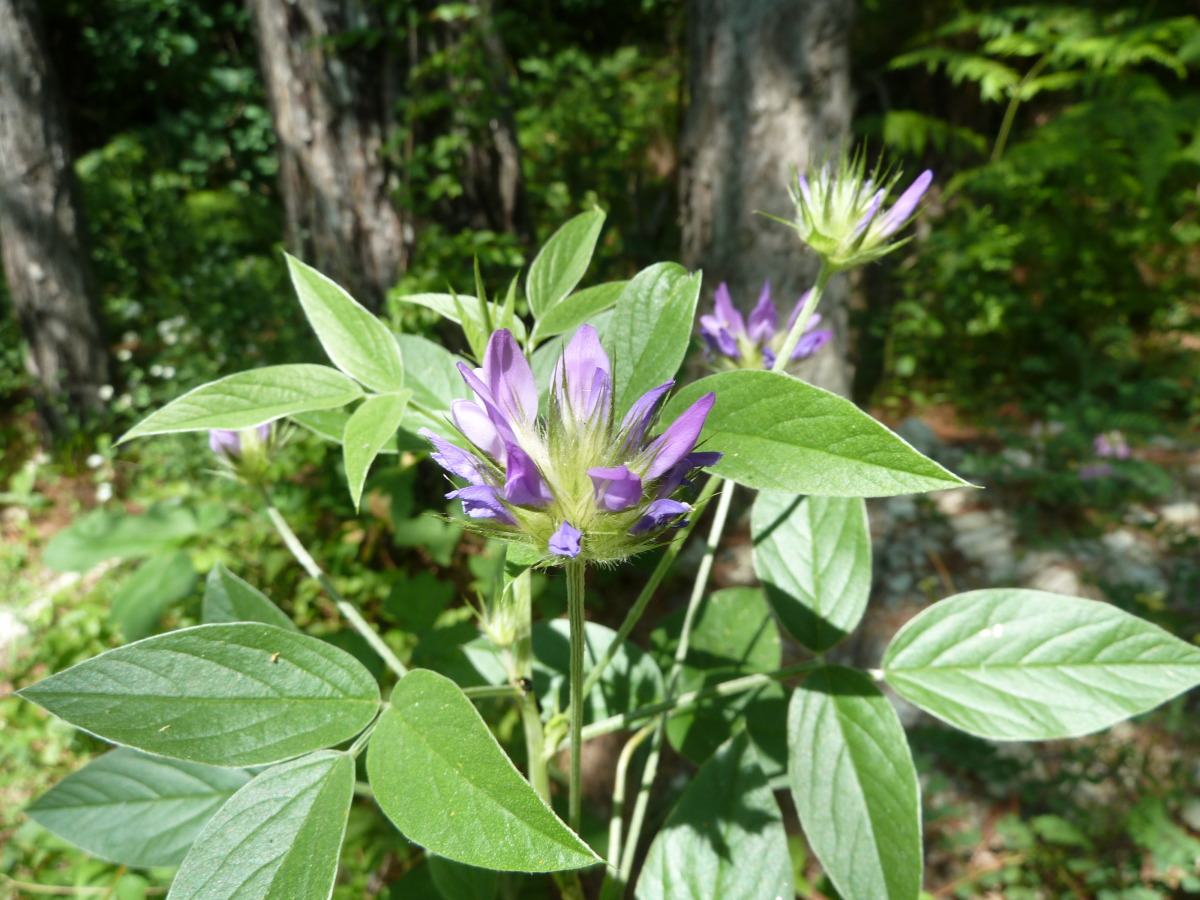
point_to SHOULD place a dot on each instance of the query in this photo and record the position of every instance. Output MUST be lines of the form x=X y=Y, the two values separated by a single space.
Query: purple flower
x=841 y=211
x=228 y=444
x=1111 y=444
x=735 y=343
x=574 y=482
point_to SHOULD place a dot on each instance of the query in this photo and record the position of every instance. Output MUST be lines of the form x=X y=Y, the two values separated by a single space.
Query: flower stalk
x=575 y=587
x=807 y=311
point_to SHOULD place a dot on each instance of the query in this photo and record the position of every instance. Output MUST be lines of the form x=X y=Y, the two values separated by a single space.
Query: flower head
x=737 y=343
x=575 y=483
x=231 y=445
x=1111 y=444
x=840 y=211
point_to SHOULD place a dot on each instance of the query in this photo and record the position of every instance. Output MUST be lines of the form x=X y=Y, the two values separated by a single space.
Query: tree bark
x=42 y=234
x=769 y=91
x=332 y=112
x=334 y=73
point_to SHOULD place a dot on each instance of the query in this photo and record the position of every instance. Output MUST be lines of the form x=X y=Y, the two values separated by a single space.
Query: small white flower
x=95 y=461
x=156 y=370
x=104 y=492
x=105 y=392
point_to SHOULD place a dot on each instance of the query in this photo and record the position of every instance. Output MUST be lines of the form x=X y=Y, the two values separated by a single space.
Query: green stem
x=1010 y=114
x=314 y=571
x=480 y=691
x=636 y=821
x=575 y=576
x=797 y=330
x=656 y=577
x=617 y=821
x=689 y=701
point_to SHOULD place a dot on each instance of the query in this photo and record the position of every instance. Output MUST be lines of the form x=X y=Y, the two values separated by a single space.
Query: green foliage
x=745 y=860
x=1055 y=666
x=813 y=555
x=472 y=805
x=305 y=695
x=1061 y=262
x=855 y=786
x=780 y=434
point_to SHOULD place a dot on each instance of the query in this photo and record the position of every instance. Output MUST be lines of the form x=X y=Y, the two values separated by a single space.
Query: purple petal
x=811 y=342
x=869 y=214
x=453 y=459
x=763 y=322
x=718 y=337
x=524 y=485
x=677 y=475
x=658 y=515
x=480 y=501
x=802 y=183
x=615 y=488
x=478 y=428
x=903 y=208
x=680 y=437
x=640 y=415
x=264 y=432
x=507 y=374
x=727 y=312
x=583 y=376
x=565 y=541
x=224 y=443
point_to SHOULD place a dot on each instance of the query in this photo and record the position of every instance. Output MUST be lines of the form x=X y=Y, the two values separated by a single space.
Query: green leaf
x=650 y=330
x=855 y=786
x=1011 y=664
x=455 y=881
x=577 y=309
x=104 y=534
x=560 y=264
x=439 y=775
x=724 y=838
x=452 y=307
x=813 y=556
x=780 y=434
x=368 y=430
x=733 y=635
x=138 y=604
x=278 y=838
x=355 y=340
x=228 y=695
x=440 y=383
x=250 y=398
x=228 y=598
x=134 y=809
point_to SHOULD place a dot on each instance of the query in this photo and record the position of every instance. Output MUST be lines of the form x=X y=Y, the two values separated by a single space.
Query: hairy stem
x=643 y=598
x=806 y=313
x=575 y=573
x=353 y=616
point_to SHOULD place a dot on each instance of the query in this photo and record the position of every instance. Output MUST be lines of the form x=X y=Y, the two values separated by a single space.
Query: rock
x=920 y=435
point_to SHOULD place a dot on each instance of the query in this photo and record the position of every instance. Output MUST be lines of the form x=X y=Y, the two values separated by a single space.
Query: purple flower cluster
x=575 y=482
x=754 y=342
x=1108 y=445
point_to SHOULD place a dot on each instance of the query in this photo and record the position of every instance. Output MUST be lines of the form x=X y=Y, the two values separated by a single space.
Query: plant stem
x=480 y=691
x=651 y=585
x=651 y=771
x=689 y=701
x=618 y=809
x=806 y=313
x=575 y=573
x=1010 y=114
x=314 y=571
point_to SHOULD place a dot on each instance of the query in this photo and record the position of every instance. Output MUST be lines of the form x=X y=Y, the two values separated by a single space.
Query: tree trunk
x=769 y=87
x=332 y=112
x=41 y=225
x=334 y=73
